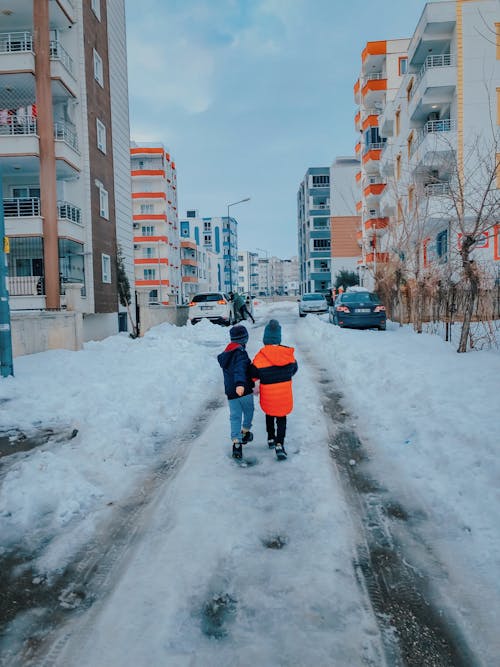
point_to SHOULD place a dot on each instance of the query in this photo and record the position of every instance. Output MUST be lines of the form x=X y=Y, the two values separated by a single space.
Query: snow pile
x=127 y=398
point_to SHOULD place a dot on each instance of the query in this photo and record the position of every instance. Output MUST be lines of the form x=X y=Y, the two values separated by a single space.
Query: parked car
x=358 y=310
x=312 y=302
x=214 y=306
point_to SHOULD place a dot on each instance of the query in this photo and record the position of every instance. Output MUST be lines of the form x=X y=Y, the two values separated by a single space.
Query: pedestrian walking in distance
x=238 y=386
x=274 y=365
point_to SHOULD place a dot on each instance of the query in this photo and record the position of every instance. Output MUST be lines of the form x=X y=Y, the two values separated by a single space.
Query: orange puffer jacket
x=274 y=366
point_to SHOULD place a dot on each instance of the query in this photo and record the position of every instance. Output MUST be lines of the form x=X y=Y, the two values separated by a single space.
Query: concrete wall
x=99 y=326
x=37 y=332
x=151 y=316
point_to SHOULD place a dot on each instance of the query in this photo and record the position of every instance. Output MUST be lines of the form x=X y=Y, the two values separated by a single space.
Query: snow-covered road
x=290 y=563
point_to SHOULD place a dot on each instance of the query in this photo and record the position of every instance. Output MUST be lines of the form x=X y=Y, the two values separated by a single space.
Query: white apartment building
x=248 y=272
x=344 y=221
x=278 y=276
x=155 y=223
x=383 y=65
x=440 y=127
x=200 y=267
x=64 y=132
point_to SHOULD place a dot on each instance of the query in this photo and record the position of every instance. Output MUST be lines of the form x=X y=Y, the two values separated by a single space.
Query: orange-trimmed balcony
x=359 y=206
x=188 y=244
x=146 y=150
x=357 y=147
x=358 y=177
x=150 y=239
x=149 y=195
x=148 y=172
x=189 y=279
x=151 y=283
x=373 y=50
x=376 y=223
x=189 y=262
x=150 y=216
x=371 y=157
x=374 y=189
x=374 y=89
x=357 y=119
x=370 y=121
x=151 y=260
x=357 y=87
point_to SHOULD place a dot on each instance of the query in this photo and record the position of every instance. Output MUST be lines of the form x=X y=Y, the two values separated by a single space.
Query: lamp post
x=229 y=237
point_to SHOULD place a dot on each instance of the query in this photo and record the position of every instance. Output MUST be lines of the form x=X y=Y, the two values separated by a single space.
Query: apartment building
x=383 y=66
x=313 y=229
x=291 y=276
x=200 y=267
x=278 y=276
x=219 y=235
x=441 y=128
x=345 y=221
x=155 y=223
x=248 y=272
x=62 y=83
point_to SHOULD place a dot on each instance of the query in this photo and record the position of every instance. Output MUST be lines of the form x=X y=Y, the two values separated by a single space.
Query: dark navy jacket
x=235 y=364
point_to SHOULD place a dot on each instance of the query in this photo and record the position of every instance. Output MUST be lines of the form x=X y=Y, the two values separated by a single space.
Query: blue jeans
x=238 y=408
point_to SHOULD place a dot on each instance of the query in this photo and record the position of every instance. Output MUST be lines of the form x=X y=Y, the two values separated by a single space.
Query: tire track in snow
x=414 y=625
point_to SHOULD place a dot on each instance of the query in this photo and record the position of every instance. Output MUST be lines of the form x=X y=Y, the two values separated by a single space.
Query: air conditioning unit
x=136 y=225
x=136 y=246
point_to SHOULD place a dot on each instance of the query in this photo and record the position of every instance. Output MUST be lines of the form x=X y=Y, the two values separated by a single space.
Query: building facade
x=219 y=235
x=383 y=66
x=442 y=132
x=155 y=223
x=313 y=228
x=344 y=222
x=248 y=272
x=200 y=267
x=62 y=79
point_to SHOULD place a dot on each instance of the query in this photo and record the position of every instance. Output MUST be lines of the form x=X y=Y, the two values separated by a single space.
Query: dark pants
x=244 y=312
x=279 y=434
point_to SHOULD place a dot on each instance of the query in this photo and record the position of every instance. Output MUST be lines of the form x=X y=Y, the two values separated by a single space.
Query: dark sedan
x=358 y=310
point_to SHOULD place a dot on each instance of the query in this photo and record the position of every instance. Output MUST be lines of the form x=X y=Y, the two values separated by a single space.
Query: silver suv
x=214 y=306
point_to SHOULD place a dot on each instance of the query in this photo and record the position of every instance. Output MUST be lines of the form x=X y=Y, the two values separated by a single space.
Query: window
x=397 y=118
x=96 y=8
x=398 y=167
x=190 y=214
x=103 y=203
x=207 y=239
x=101 y=136
x=98 y=69
x=409 y=91
x=442 y=245
x=409 y=144
x=322 y=181
x=149 y=274
x=106 y=268
x=147 y=230
x=147 y=252
x=147 y=209
x=321 y=244
x=402 y=65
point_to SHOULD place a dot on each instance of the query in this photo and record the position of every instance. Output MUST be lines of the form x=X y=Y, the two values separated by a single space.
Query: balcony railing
x=58 y=52
x=373 y=147
x=444 y=60
x=21 y=207
x=17 y=124
x=62 y=132
x=377 y=76
x=16 y=42
x=436 y=189
x=25 y=285
x=67 y=211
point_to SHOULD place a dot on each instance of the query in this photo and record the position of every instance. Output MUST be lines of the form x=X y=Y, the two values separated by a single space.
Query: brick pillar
x=45 y=124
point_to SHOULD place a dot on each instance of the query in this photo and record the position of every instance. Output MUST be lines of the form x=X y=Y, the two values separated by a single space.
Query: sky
x=429 y=445
x=248 y=94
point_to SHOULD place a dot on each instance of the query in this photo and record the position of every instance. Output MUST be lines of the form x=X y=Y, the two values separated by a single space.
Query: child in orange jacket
x=274 y=365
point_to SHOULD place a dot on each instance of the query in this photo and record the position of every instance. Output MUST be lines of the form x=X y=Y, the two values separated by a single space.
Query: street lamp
x=229 y=237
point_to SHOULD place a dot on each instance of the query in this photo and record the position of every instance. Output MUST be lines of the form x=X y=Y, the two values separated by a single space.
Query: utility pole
x=6 y=365
x=229 y=243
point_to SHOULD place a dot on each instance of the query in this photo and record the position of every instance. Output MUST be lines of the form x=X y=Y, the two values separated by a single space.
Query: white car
x=312 y=302
x=213 y=306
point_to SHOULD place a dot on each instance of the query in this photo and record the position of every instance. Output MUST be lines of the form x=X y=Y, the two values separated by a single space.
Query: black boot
x=270 y=443
x=280 y=451
x=237 y=451
x=246 y=437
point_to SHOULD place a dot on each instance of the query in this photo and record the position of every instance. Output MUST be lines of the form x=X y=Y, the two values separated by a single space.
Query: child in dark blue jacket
x=238 y=386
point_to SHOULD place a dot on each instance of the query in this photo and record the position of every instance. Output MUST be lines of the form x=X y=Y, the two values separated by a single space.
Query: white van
x=214 y=306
